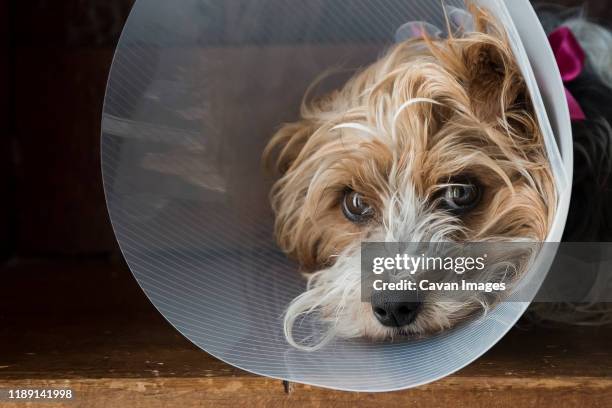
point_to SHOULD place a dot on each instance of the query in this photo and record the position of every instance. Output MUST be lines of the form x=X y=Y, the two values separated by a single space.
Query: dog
x=436 y=141
x=590 y=213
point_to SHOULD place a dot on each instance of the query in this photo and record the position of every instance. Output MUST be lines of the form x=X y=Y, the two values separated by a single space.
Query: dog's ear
x=492 y=78
x=484 y=63
x=285 y=146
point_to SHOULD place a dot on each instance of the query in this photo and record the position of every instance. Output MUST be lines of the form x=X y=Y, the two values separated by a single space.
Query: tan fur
x=476 y=119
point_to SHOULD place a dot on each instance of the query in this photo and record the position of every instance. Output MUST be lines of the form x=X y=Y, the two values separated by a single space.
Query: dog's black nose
x=393 y=312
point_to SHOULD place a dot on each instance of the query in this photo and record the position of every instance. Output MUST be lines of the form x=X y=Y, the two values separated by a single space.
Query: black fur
x=590 y=214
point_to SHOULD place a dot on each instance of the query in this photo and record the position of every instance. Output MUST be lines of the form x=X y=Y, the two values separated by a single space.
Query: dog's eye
x=355 y=208
x=461 y=197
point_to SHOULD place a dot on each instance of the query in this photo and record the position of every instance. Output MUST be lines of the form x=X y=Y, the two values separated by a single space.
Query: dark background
x=57 y=55
x=57 y=58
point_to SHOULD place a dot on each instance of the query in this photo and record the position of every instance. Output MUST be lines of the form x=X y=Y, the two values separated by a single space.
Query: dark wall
x=62 y=50
x=51 y=198
x=596 y=10
x=6 y=162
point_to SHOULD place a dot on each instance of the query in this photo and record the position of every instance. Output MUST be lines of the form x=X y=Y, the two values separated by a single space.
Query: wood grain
x=99 y=335
x=262 y=392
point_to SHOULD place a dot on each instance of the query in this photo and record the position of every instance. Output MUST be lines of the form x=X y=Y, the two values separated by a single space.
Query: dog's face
x=436 y=141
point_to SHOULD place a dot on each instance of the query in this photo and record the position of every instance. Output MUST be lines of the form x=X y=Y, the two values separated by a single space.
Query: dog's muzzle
x=393 y=310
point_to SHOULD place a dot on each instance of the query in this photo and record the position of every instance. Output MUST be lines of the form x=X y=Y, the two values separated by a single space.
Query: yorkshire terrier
x=435 y=141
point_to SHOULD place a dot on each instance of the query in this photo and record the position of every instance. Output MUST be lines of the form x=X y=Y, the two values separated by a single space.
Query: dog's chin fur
x=398 y=132
x=334 y=295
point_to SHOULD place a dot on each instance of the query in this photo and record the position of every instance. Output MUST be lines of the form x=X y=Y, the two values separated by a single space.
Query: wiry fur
x=398 y=132
x=590 y=214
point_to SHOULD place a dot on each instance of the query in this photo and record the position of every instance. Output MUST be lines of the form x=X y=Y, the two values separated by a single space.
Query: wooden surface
x=86 y=325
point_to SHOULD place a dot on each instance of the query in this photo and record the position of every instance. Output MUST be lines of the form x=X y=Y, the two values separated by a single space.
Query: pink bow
x=570 y=59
